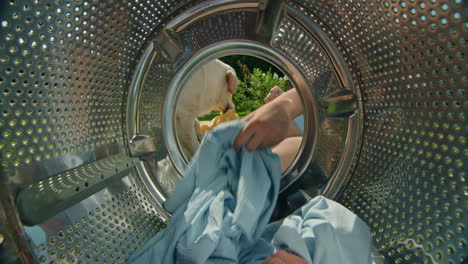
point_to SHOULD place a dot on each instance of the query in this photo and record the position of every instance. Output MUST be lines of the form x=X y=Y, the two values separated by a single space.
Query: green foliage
x=240 y=61
x=255 y=87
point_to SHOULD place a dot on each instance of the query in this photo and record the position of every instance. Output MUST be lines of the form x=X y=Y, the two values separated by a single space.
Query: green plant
x=239 y=61
x=255 y=87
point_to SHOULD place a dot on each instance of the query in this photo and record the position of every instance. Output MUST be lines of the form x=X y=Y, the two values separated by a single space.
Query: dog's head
x=225 y=101
x=209 y=88
x=219 y=84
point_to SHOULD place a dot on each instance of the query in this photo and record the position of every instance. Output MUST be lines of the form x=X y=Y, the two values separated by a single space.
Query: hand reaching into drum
x=274 y=92
x=283 y=257
x=271 y=123
x=267 y=126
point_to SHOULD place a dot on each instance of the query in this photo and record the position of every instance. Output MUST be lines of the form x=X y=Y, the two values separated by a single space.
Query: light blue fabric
x=321 y=232
x=300 y=123
x=222 y=206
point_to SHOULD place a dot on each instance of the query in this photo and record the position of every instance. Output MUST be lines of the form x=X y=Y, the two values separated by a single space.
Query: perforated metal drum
x=88 y=90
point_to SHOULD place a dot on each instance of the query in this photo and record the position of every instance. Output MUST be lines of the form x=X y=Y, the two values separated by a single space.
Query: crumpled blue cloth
x=221 y=208
x=300 y=123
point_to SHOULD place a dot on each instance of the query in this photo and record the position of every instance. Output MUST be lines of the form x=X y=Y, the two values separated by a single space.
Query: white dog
x=211 y=87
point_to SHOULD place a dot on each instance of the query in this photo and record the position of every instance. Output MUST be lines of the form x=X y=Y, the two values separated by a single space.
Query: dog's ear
x=231 y=81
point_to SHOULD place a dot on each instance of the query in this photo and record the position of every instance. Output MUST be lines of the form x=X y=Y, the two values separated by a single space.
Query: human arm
x=283 y=257
x=271 y=123
x=287 y=150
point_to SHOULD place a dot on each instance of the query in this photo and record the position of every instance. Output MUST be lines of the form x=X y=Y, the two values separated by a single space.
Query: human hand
x=266 y=126
x=283 y=257
x=274 y=92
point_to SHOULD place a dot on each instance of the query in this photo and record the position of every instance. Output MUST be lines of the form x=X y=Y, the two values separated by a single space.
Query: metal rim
x=233 y=48
x=186 y=62
x=345 y=77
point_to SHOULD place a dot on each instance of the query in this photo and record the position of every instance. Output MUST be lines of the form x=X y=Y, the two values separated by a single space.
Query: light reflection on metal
x=142 y=146
x=341 y=104
x=66 y=67
x=46 y=198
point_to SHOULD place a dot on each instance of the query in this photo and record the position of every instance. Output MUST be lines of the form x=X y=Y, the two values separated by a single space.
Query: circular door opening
x=251 y=91
x=332 y=119
x=225 y=89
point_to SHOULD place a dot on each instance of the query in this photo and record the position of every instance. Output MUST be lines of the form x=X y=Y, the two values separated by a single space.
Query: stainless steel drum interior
x=88 y=88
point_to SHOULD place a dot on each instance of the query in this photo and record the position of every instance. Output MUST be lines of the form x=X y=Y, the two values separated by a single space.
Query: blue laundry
x=321 y=232
x=220 y=212
x=300 y=123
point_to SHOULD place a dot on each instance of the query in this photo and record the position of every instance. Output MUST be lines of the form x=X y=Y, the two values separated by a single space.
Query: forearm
x=287 y=150
x=271 y=123
x=291 y=102
x=283 y=257
x=292 y=105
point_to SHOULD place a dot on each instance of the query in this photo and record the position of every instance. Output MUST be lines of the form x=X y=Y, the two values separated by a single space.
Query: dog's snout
x=226 y=107
x=229 y=106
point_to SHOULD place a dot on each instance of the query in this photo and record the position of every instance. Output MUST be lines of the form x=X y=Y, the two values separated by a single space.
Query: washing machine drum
x=89 y=149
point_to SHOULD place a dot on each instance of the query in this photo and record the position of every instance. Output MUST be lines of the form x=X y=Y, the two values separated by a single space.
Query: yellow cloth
x=223 y=117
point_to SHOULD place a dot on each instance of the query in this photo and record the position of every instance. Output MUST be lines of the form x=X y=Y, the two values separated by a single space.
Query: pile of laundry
x=221 y=209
